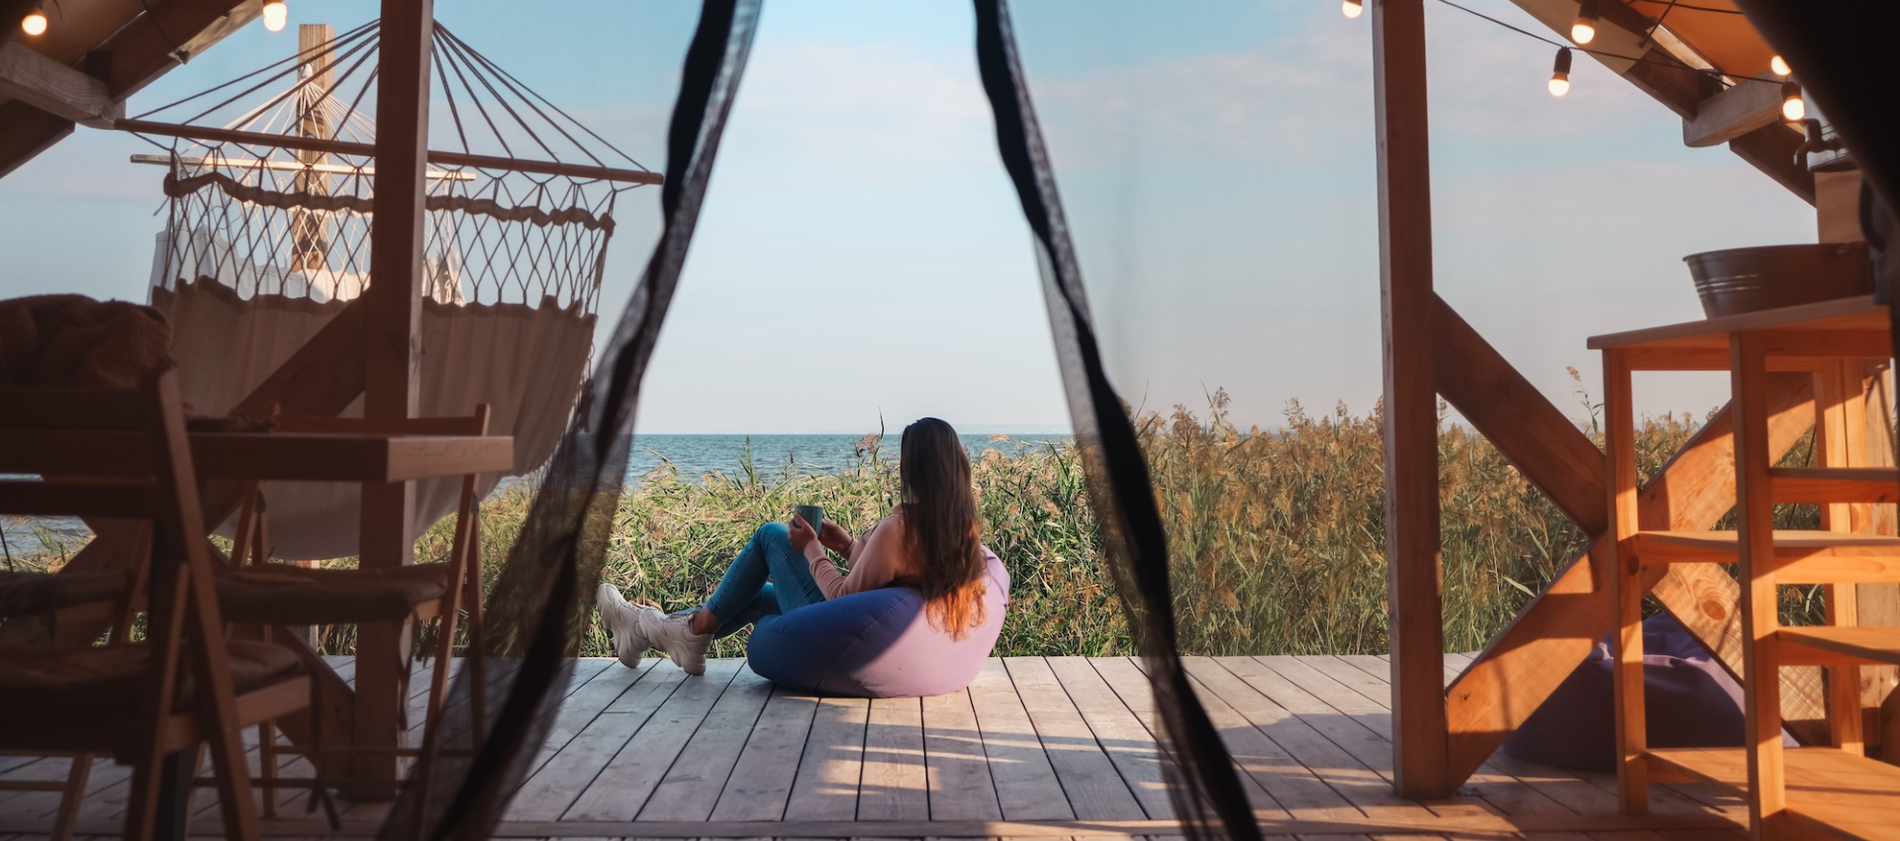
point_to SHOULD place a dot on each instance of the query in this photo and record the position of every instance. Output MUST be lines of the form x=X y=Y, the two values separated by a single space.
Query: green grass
x=1277 y=537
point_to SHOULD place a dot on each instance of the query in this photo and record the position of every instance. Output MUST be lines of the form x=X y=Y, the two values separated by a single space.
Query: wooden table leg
x=382 y=649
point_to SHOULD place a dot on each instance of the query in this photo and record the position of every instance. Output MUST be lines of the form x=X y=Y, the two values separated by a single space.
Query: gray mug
x=813 y=515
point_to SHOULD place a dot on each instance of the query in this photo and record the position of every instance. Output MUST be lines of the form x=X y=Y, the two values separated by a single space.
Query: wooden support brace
x=55 y=88
x=1543 y=444
x=1555 y=632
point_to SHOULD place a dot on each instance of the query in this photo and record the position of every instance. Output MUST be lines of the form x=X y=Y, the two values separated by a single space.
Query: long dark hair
x=940 y=519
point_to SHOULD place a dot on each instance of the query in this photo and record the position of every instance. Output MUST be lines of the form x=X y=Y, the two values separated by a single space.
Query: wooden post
x=1754 y=509
x=310 y=232
x=1869 y=443
x=390 y=369
x=1625 y=574
x=1416 y=612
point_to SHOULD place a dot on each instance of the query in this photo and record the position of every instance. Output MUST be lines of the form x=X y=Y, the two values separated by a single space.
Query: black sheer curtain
x=536 y=616
x=1203 y=785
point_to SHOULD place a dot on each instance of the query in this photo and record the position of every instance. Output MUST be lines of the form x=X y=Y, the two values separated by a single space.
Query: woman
x=929 y=542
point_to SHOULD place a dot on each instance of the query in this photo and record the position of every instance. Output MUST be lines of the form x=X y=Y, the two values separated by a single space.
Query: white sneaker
x=622 y=620
x=673 y=635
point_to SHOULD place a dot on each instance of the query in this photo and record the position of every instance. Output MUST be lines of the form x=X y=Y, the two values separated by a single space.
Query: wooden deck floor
x=1059 y=746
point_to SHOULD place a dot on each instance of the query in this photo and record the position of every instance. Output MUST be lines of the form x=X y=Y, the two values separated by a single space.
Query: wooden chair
x=53 y=607
x=125 y=454
x=283 y=594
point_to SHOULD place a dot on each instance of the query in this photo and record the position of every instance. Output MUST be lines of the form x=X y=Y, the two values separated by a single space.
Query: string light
x=34 y=23
x=1793 y=109
x=1353 y=8
x=276 y=13
x=1585 y=29
x=1560 y=74
x=1779 y=66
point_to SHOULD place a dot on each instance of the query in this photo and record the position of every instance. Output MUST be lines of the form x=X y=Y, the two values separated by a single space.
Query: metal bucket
x=1765 y=277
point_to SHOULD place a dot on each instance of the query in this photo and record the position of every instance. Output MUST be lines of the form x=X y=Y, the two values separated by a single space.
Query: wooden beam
x=1555 y=632
x=26 y=131
x=55 y=88
x=1733 y=113
x=1416 y=627
x=1678 y=86
x=392 y=353
x=139 y=52
x=1771 y=149
x=146 y=48
x=1543 y=444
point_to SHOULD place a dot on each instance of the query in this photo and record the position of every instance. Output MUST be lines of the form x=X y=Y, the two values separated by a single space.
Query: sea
x=696 y=456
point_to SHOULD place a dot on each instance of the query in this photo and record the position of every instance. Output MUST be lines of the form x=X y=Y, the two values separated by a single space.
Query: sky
x=862 y=259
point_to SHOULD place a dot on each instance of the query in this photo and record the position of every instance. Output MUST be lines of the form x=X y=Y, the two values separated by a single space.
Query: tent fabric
x=525 y=362
x=1690 y=701
x=876 y=644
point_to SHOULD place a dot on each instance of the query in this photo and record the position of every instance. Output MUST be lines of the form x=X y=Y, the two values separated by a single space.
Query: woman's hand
x=835 y=538
x=801 y=533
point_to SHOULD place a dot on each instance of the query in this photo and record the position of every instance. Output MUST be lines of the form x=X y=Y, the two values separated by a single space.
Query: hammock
x=267 y=239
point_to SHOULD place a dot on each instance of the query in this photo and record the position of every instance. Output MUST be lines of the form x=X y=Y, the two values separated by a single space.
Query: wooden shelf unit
x=1833 y=791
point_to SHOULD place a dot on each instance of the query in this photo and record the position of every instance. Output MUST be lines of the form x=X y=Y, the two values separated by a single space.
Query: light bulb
x=275 y=15
x=1560 y=73
x=1793 y=109
x=34 y=23
x=1585 y=29
x=1779 y=66
x=1353 y=8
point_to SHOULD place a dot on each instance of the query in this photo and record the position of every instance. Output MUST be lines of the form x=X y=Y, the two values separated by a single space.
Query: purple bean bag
x=1690 y=701
x=876 y=644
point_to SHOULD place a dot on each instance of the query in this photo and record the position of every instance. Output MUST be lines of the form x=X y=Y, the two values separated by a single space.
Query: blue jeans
x=768 y=577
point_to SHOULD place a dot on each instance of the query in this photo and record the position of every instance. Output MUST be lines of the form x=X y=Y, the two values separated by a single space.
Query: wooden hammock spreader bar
x=344 y=147
x=289 y=166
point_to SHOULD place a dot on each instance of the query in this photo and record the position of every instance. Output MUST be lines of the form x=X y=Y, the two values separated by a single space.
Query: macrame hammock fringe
x=267 y=239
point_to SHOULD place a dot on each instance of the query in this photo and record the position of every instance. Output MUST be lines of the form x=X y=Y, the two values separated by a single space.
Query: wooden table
x=1835 y=789
x=376 y=705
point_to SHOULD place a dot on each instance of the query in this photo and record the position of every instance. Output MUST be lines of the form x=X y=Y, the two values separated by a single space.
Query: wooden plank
x=1357 y=724
x=55 y=88
x=761 y=782
x=1026 y=784
x=1090 y=783
x=1534 y=435
x=1856 y=314
x=1122 y=731
x=596 y=684
x=692 y=786
x=1747 y=106
x=559 y=780
x=954 y=762
x=896 y=786
x=1345 y=789
x=1582 y=792
x=833 y=762
x=1754 y=510
x=622 y=788
x=1414 y=603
